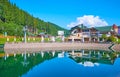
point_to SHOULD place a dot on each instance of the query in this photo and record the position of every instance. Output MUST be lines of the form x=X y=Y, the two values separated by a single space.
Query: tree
x=111 y=39
x=12 y=19
x=104 y=37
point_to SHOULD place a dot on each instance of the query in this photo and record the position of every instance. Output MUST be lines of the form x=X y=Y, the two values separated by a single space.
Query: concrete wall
x=116 y=47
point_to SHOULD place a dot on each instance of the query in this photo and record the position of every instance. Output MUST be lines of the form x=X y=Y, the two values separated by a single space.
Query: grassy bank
x=21 y=39
x=13 y=39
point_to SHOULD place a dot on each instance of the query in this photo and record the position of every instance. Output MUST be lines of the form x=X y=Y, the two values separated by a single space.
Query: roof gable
x=104 y=28
x=81 y=26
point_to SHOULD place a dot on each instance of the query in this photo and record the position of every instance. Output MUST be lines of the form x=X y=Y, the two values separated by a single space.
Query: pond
x=68 y=63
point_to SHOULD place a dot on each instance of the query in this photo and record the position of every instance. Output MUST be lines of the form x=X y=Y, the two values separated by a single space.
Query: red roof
x=115 y=26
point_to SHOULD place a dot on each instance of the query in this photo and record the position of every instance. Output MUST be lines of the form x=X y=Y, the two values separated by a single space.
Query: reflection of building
x=92 y=57
x=61 y=55
x=84 y=34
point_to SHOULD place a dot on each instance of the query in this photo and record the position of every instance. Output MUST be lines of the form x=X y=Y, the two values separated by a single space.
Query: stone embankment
x=116 y=47
x=54 y=46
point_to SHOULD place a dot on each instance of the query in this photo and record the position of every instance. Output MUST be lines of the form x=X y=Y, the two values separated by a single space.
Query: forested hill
x=13 y=19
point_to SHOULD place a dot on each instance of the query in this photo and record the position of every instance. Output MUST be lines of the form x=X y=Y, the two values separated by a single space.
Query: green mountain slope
x=13 y=19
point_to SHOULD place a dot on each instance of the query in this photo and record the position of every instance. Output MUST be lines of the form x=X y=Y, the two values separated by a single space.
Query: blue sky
x=72 y=12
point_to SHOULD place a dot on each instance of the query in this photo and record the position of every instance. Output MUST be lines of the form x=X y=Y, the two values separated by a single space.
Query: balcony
x=86 y=34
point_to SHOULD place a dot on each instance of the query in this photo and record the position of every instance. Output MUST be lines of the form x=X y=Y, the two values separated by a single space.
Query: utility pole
x=25 y=30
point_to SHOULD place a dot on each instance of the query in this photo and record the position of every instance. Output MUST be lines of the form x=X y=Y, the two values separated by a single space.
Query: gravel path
x=55 y=46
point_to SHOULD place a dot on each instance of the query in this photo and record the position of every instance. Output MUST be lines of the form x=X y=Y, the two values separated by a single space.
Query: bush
x=118 y=41
x=2 y=40
x=111 y=39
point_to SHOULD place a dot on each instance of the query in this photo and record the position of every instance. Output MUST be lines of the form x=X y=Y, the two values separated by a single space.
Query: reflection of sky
x=89 y=64
x=66 y=67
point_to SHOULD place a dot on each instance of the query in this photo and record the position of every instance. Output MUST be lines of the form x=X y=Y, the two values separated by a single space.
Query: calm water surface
x=72 y=63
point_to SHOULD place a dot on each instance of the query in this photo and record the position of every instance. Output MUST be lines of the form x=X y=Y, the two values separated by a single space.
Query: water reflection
x=14 y=65
x=88 y=58
x=61 y=54
x=19 y=64
x=25 y=62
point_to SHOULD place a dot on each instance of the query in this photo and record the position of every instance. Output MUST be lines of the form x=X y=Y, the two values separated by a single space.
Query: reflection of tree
x=12 y=66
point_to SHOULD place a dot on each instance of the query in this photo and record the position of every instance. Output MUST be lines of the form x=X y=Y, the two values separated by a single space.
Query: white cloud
x=89 y=21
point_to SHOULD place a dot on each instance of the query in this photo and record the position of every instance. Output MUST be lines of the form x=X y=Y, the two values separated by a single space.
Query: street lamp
x=25 y=30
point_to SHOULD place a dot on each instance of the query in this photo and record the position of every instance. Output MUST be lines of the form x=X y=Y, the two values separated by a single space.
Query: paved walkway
x=54 y=46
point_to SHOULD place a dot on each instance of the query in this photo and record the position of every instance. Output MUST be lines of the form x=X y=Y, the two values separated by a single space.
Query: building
x=60 y=33
x=83 y=34
x=108 y=30
x=119 y=30
x=115 y=28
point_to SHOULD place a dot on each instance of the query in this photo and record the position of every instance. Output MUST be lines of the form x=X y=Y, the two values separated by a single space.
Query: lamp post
x=25 y=30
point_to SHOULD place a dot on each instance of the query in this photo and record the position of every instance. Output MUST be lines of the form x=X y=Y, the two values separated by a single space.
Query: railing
x=86 y=34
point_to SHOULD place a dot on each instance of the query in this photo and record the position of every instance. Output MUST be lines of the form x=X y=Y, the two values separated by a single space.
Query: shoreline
x=58 y=46
x=116 y=47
